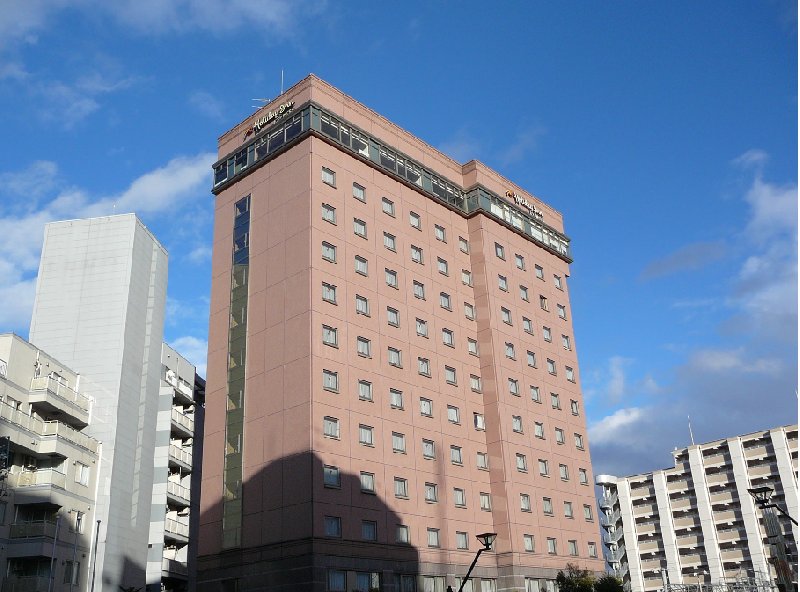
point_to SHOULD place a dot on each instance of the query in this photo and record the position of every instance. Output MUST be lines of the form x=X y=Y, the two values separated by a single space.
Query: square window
x=428 y=449
x=558 y=283
x=555 y=401
x=416 y=254
x=329 y=336
x=369 y=530
x=444 y=300
x=544 y=468
x=431 y=492
x=551 y=367
x=500 y=251
x=527 y=325
x=563 y=471
x=593 y=550
x=398 y=442
x=523 y=293
x=329 y=293
x=330 y=427
x=333 y=526
x=583 y=477
x=506 y=315
x=531 y=359
x=388 y=206
x=424 y=365
x=367 y=482
x=524 y=502
x=538 y=429
x=520 y=261
x=587 y=513
x=415 y=220
x=391 y=278
x=570 y=373
x=559 y=436
x=329 y=252
x=459 y=497
x=364 y=347
x=486 y=502
x=329 y=213
x=359 y=192
x=330 y=380
x=513 y=387
x=331 y=476
x=362 y=305
x=547 y=506
x=502 y=283
x=419 y=290
x=522 y=463
x=543 y=302
x=565 y=342
x=516 y=423
x=401 y=534
x=328 y=177
x=546 y=334
x=439 y=233
x=394 y=357
x=392 y=316
x=395 y=399
x=482 y=460
x=449 y=375
x=422 y=328
x=441 y=265
x=365 y=390
x=463 y=244
x=361 y=265
x=539 y=272
x=562 y=311
x=475 y=383
x=433 y=537
x=448 y=338
x=472 y=346
x=551 y=546
x=480 y=422
x=400 y=487
x=578 y=441
x=510 y=353
x=453 y=414
x=573 y=405
x=469 y=311
x=462 y=540
x=365 y=435
x=535 y=397
x=390 y=241
x=573 y=548
x=527 y=540
x=466 y=277
x=455 y=455
x=360 y=228
x=426 y=407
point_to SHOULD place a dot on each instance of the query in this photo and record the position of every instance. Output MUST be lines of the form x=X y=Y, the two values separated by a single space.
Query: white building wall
x=667 y=527
x=707 y=524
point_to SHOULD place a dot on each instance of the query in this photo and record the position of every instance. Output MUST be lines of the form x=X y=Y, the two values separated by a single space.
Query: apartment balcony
x=723 y=497
x=184 y=392
x=689 y=541
x=686 y=522
x=180 y=457
x=172 y=568
x=38 y=528
x=651 y=564
x=730 y=534
x=612 y=537
x=726 y=516
x=49 y=437
x=645 y=510
x=610 y=521
x=650 y=545
x=615 y=555
x=176 y=531
x=682 y=503
x=757 y=451
x=715 y=460
x=54 y=397
x=26 y=584
x=765 y=470
x=732 y=555
x=182 y=423
x=40 y=477
x=609 y=501
x=720 y=478
x=642 y=493
x=177 y=494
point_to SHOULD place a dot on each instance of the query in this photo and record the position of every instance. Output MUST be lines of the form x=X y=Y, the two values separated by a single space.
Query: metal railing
x=60 y=390
x=174 y=566
x=26 y=584
x=38 y=477
x=37 y=528
x=173 y=526
x=609 y=501
x=179 y=454
x=182 y=420
x=46 y=428
x=178 y=490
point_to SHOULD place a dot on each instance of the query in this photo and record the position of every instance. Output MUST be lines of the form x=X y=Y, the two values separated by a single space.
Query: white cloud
x=732 y=361
x=525 y=141
x=193 y=349
x=753 y=158
x=615 y=389
x=206 y=104
x=462 y=146
x=199 y=254
x=617 y=427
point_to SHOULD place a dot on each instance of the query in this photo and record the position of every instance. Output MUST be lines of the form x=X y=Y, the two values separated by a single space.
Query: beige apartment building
x=696 y=523
x=392 y=367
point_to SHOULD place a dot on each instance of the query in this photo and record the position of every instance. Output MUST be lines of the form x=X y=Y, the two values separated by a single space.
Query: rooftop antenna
x=691 y=435
x=281 y=80
x=261 y=102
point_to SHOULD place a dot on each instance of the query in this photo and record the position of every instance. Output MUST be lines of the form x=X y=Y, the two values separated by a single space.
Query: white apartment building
x=695 y=523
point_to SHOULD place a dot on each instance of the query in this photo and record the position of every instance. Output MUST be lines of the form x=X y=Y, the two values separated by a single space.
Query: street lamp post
x=486 y=539
x=784 y=576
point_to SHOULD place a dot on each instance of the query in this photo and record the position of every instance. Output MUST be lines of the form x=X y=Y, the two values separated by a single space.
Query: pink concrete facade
x=440 y=384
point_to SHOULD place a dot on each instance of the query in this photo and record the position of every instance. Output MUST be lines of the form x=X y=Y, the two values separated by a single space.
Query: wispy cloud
x=193 y=349
x=523 y=144
x=688 y=258
x=206 y=104
x=462 y=146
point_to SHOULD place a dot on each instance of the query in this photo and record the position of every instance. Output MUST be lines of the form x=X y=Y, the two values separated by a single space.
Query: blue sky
x=666 y=133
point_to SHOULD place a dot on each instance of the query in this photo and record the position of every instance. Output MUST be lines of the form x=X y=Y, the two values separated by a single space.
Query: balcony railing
x=38 y=528
x=60 y=390
x=609 y=521
x=26 y=584
x=46 y=428
x=178 y=490
x=612 y=537
x=181 y=455
x=38 y=477
x=173 y=566
x=182 y=420
x=609 y=501
x=175 y=527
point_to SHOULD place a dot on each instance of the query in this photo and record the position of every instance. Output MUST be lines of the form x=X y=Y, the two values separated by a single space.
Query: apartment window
x=587 y=513
x=568 y=510
x=522 y=463
x=369 y=531
x=455 y=455
x=547 y=506
x=331 y=476
x=555 y=401
x=329 y=213
x=527 y=325
x=433 y=537
x=359 y=192
x=428 y=449
x=539 y=272
x=551 y=367
x=538 y=430
x=524 y=502
x=462 y=540
x=416 y=254
x=333 y=526
x=81 y=474
x=362 y=305
x=482 y=460
x=453 y=414
x=472 y=346
x=466 y=277
x=419 y=290
x=364 y=390
x=573 y=405
x=513 y=387
x=479 y=421
x=400 y=487
x=438 y=231
x=364 y=347
x=475 y=383
x=551 y=546
x=523 y=293
x=329 y=252
x=441 y=265
x=449 y=375
x=415 y=220
x=578 y=441
x=330 y=380
x=547 y=334
x=486 y=502
x=535 y=397
x=398 y=442
x=562 y=311
x=510 y=353
x=361 y=265
x=469 y=311
x=448 y=337
x=329 y=293
x=360 y=228
x=328 y=177
x=463 y=244
x=367 y=482
x=401 y=534
x=330 y=336
x=330 y=426
x=506 y=314
x=573 y=548
x=388 y=206
x=424 y=365
x=583 y=477
x=390 y=241
x=395 y=357
x=570 y=373
x=500 y=251
x=527 y=540
x=365 y=435
x=392 y=316
x=565 y=342
x=425 y=407
x=559 y=436
x=563 y=471
x=502 y=283
x=444 y=300
x=431 y=492
x=391 y=278
x=531 y=359
x=543 y=302
x=593 y=550
x=396 y=399
x=516 y=423
x=558 y=283
x=422 y=328
x=544 y=468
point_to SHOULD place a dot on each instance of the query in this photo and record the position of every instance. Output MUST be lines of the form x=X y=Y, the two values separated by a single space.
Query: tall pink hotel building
x=391 y=366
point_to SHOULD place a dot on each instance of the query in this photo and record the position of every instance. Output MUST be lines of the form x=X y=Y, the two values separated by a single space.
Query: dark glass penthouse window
x=387 y=159
x=360 y=144
x=293 y=128
x=330 y=127
x=276 y=140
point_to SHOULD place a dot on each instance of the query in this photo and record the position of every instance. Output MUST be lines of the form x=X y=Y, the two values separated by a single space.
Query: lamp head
x=761 y=494
x=487 y=539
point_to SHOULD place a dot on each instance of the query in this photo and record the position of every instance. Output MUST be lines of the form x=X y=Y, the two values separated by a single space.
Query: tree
x=608 y=583
x=575 y=579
